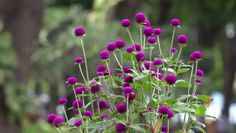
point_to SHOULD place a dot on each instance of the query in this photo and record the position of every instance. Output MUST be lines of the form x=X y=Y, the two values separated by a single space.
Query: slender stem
x=85 y=59
x=127 y=112
x=172 y=40
x=141 y=32
x=65 y=113
x=80 y=69
x=121 y=58
x=98 y=106
x=150 y=53
x=130 y=36
x=132 y=59
x=168 y=126
x=159 y=45
x=144 y=43
x=80 y=114
x=180 y=51
x=117 y=60
x=86 y=125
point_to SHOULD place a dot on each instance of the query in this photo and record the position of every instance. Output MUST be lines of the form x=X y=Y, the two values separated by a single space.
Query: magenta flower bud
x=120 y=43
x=164 y=129
x=111 y=46
x=173 y=50
x=147 y=65
x=78 y=123
x=130 y=49
x=175 y=22
x=163 y=109
x=157 y=62
x=78 y=59
x=157 y=31
x=149 y=108
x=120 y=128
x=101 y=68
x=104 y=55
x=170 y=79
x=160 y=76
x=88 y=113
x=62 y=100
x=80 y=89
x=154 y=70
x=71 y=80
x=198 y=80
x=152 y=40
x=77 y=103
x=140 y=56
x=103 y=104
x=104 y=116
x=137 y=47
x=170 y=114
x=121 y=107
x=127 y=69
x=147 y=23
x=79 y=31
x=51 y=118
x=125 y=22
x=148 y=31
x=94 y=87
x=182 y=39
x=58 y=121
x=196 y=55
x=131 y=96
x=128 y=79
x=200 y=72
x=127 y=89
x=140 y=17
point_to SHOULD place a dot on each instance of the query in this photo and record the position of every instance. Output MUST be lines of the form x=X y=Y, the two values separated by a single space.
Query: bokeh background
x=37 y=47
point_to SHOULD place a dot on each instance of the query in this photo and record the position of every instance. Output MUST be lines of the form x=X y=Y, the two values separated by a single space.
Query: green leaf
x=182 y=84
x=169 y=70
x=182 y=70
x=137 y=128
x=200 y=111
x=141 y=77
x=181 y=107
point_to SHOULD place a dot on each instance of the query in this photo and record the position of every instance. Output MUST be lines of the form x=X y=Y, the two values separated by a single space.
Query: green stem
x=80 y=114
x=121 y=58
x=178 y=64
x=168 y=126
x=98 y=106
x=159 y=45
x=172 y=40
x=144 y=43
x=64 y=110
x=130 y=36
x=85 y=60
x=141 y=32
x=80 y=69
x=150 y=52
x=117 y=60
x=127 y=112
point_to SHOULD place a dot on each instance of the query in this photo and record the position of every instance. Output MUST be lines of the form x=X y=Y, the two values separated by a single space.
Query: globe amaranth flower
x=170 y=79
x=140 y=56
x=77 y=104
x=157 y=62
x=102 y=70
x=140 y=17
x=103 y=104
x=137 y=47
x=131 y=96
x=157 y=31
x=125 y=22
x=120 y=43
x=163 y=109
x=120 y=128
x=152 y=39
x=128 y=79
x=127 y=89
x=88 y=113
x=173 y=50
x=111 y=46
x=78 y=123
x=164 y=129
x=198 y=80
x=104 y=55
x=71 y=80
x=175 y=22
x=148 y=31
x=104 y=116
x=58 y=121
x=78 y=59
x=62 y=100
x=80 y=89
x=182 y=39
x=147 y=23
x=79 y=31
x=121 y=107
x=195 y=56
x=149 y=108
x=94 y=86
x=200 y=72
x=147 y=65
x=170 y=114
x=51 y=118
x=130 y=49
x=160 y=76
x=127 y=69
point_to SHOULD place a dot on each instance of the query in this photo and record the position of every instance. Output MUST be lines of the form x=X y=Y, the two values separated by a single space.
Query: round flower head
x=71 y=80
x=170 y=114
x=77 y=103
x=157 y=31
x=125 y=22
x=62 y=100
x=175 y=22
x=127 y=89
x=147 y=23
x=58 y=121
x=95 y=87
x=149 y=108
x=196 y=55
x=104 y=116
x=104 y=55
x=137 y=47
x=131 y=96
x=140 y=56
x=120 y=43
x=102 y=69
x=160 y=76
x=130 y=49
x=79 y=31
x=111 y=46
x=173 y=50
x=103 y=104
x=157 y=62
x=121 y=107
x=120 y=128
x=80 y=89
x=147 y=65
x=170 y=79
x=200 y=72
x=140 y=17
x=127 y=69
x=152 y=40
x=198 y=80
x=78 y=123
x=148 y=31
x=128 y=79
x=164 y=129
x=182 y=39
x=51 y=118
x=78 y=59
x=88 y=113
x=154 y=70
x=163 y=109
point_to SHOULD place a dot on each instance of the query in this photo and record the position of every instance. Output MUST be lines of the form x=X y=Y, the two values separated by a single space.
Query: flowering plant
x=139 y=95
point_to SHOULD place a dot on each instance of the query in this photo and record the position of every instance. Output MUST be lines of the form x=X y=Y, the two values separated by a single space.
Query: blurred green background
x=37 y=47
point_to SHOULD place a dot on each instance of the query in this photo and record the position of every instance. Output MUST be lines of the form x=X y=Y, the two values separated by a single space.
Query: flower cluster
x=125 y=98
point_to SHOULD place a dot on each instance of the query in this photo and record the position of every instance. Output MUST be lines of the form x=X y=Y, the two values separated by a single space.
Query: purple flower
x=78 y=123
x=175 y=22
x=137 y=47
x=120 y=43
x=157 y=62
x=130 y=49
x=127 y=69
x=104 y=54
x=120 y=128
x=77 y=103
x=94 y=86
x=196 y=55
x=198 y=80
x=163 y=109
x=58 y=121
x=173 y=50
x=80 y=89
x=152 y=40
x=200 y=72
x=103 y=104
x=148 y=31
x=157 y=31
x=88 y=113
x=170 y=79
x=51 y=118
x=128 y=79
x=131 y=96
x=127 y=89
x=79 y=31
x=71 y=80
x=78 y=59
x=147 y=65
x=170 y=114
x=62 y=100
x=147 y=23
x=121 y=107
x=140 y=56
x=111 y=46
x=164 y=128
x=182 y=39
x=125 y=22
x=104 y=116
x=140 y=17
x=160 y=76
x=102 y=70
x=149 y=108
